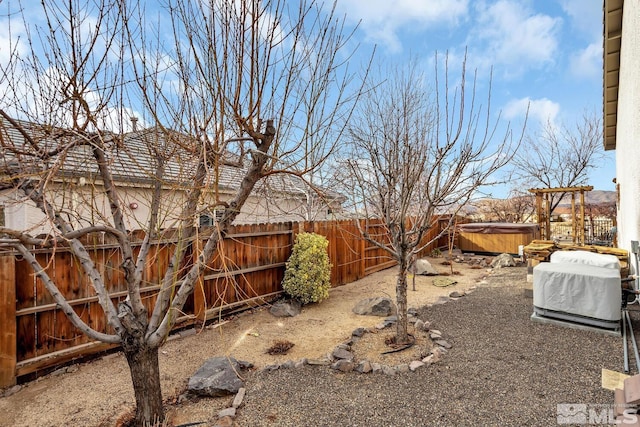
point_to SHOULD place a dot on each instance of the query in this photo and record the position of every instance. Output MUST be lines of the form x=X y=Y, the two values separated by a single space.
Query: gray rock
x=364 y=367
x=456 y=294
x=237 y=401
x=342 y=354
x=402 y=368
x=318 y=362
x=300 y=363
x=421 y=325
x=343 y=365
x=216 y=377
x=358 y=332
x=289 y=364
x=286 y=308
x=415 y=365
x=443 y=343
x=424 y=268
x=384 y=324
x=429 y=359
x=227 y=412
x=389 y=370
x=503 y=260
x=270 y=368
x=378 y=306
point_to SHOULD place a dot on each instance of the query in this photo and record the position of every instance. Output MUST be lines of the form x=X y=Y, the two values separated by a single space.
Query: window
x=210 y=218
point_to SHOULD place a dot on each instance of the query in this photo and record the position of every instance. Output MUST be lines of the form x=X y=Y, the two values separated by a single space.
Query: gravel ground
x=503 y=370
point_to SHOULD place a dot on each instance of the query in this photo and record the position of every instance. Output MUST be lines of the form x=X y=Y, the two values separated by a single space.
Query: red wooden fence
x=247 y=270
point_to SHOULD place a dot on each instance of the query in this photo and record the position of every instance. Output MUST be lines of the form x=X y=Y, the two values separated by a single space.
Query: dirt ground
x=99 y=392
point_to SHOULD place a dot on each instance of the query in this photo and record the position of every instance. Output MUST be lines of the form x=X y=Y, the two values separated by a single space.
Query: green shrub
x=308 y=274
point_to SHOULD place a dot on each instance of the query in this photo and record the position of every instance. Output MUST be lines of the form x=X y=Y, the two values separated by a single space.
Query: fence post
x=8 y=339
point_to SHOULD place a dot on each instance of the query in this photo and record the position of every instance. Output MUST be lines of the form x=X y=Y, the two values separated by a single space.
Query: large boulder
x=377 y=306
x=424 y=268
x=217 y=377
x=503 y=260
x=286 y=308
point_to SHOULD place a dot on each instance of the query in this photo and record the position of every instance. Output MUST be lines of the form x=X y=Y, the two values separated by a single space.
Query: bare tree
x=417 y=153
x=251 y=82
x=517 y=208
x=560 y=156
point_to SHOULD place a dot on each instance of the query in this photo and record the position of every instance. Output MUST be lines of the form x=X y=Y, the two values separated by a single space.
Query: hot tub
x=496 y=237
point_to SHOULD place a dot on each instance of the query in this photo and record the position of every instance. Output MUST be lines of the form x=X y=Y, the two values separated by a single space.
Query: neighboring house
x=621 y=91
x=76 y=190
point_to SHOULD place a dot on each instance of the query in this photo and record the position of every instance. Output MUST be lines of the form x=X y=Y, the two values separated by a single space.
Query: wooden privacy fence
x=247 y=270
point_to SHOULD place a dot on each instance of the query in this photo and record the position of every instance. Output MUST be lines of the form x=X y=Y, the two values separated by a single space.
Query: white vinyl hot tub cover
x=585 y=257
x=579 y=289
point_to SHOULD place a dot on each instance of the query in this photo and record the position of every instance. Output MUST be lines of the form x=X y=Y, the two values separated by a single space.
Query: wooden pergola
x=543 y=210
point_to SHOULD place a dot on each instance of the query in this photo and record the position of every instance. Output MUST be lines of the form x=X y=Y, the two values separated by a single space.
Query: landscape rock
x=342 y=354
x=289 y=364
x=377 y=306
x=415 y=365
x=402 y=368
x=421 y=325
x=456 y=294
x=424 y=268
x=429 y=359
x=389 y=370
x=300 y=363
x=384 y=324
x=343 y=365
x=503 y=260
x=286 y=308
x=227 y=412
x=358 y=332
x=376 y=367
x=318 y=362
x=237 y=401
x=216 y=377
x=364 y=367
x=443 y=343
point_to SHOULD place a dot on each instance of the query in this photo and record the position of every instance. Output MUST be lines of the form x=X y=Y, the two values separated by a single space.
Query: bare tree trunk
x=402 y=335
x=145 y=376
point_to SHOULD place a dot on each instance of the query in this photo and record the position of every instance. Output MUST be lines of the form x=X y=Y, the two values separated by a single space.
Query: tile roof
x=133 y=159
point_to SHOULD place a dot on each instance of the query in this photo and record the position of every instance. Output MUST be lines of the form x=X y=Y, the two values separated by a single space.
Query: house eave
x=611 y=42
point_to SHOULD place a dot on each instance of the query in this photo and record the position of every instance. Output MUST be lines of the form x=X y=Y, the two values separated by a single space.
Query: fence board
x=8 y=337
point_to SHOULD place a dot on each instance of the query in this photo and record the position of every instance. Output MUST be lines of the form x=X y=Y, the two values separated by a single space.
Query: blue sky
x=545 y=53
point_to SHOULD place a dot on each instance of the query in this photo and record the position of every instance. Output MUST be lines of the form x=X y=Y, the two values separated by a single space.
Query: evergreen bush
x=308 y=273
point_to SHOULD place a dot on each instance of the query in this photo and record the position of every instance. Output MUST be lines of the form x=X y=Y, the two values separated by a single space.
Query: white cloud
x=510 y=34
x=585 y=15
x=382 y=19
x=587 y=63
x=540 y=110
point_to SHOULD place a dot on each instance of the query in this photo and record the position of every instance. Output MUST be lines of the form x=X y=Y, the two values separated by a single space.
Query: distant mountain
x=595 y=197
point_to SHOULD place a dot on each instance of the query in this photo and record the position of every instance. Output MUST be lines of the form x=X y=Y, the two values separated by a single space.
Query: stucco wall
x=628 y=127
x=86 y=204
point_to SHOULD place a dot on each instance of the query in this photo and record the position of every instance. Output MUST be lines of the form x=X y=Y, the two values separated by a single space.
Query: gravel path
x=503 y=370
